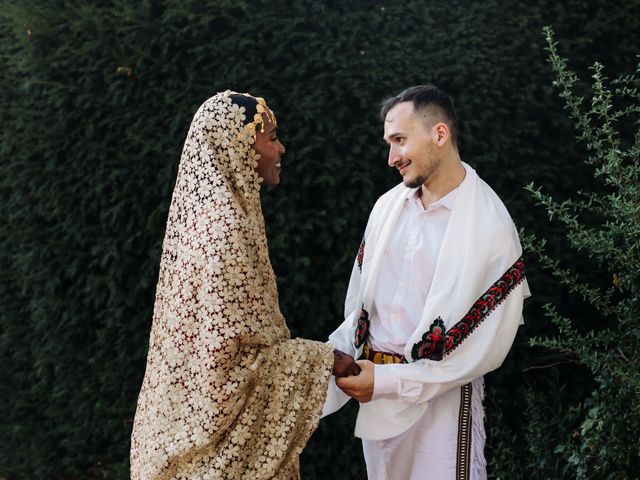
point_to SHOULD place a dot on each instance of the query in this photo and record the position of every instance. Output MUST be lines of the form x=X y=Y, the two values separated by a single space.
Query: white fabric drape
x=470 y=317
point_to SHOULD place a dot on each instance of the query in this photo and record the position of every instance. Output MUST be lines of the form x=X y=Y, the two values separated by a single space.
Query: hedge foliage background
x=96 y=99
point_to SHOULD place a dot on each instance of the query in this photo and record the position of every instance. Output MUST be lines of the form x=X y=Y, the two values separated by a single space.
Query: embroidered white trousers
x=446 y=443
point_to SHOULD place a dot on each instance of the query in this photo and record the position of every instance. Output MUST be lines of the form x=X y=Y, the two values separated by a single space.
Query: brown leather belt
x=381 y=358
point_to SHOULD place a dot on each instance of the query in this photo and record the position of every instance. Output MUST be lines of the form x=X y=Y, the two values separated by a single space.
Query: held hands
x=359 y=387
x=353 y=378
x=344 y=365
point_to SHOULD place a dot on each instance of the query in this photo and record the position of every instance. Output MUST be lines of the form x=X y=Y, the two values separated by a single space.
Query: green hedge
x=96 y=100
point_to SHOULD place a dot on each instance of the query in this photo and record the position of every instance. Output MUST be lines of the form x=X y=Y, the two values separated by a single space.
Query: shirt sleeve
x=342 y=339
x=482 y=351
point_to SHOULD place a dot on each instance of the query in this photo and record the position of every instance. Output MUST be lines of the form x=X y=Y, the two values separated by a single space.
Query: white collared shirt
x=407 y=270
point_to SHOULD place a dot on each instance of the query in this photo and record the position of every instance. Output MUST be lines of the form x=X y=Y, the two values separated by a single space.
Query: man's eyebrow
x=392 y=136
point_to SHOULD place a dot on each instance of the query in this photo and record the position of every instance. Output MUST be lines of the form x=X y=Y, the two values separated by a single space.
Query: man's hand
x=344 y=365
x=359 y=387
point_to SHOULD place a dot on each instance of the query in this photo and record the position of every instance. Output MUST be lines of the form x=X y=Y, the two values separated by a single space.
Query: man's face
x=412 y=149
x=270 y=150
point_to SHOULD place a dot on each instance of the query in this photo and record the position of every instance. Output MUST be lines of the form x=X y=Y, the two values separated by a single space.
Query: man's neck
x=450 y=174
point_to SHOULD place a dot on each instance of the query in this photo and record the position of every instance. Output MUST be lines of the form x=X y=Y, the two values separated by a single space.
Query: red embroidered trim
x=362 y=330
x=432 y=342
x=360 y=256
x=435 y=346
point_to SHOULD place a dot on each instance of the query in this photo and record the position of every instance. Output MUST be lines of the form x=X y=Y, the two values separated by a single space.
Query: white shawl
x=470 y=317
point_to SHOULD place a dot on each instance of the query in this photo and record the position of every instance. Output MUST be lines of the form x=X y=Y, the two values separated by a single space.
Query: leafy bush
x=602 y=225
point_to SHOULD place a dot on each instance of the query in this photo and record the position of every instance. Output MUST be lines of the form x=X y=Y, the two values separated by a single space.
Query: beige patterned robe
x=226 y=394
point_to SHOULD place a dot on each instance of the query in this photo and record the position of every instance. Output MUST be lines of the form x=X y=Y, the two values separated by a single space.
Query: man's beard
x=419 y=180
x=415 y=182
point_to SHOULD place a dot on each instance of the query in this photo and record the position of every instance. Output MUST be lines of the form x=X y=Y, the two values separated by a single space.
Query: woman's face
x=270 y=150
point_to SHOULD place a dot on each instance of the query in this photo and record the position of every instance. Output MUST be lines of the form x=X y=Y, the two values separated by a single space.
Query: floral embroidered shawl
x=226 y=394
x=471 y=314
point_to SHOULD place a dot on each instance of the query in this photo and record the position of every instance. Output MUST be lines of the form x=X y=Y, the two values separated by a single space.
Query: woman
x=227 y=394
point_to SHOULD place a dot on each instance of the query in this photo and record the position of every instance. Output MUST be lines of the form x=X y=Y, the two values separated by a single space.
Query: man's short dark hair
x=424 y=97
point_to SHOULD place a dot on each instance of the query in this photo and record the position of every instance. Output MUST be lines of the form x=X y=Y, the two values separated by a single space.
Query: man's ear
x=440 y=132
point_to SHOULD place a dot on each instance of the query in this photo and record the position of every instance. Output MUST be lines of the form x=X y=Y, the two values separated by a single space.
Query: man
x=434 y=302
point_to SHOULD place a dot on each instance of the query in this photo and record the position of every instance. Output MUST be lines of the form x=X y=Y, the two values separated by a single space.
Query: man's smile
x=401 y=166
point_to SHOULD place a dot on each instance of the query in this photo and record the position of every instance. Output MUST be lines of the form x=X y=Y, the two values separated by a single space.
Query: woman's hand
x=360 y=387
x=344 y=365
